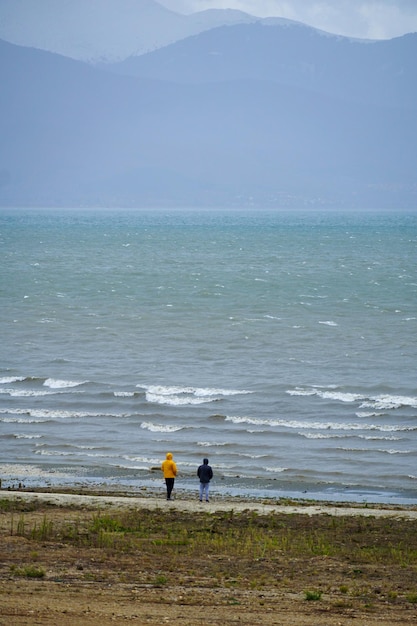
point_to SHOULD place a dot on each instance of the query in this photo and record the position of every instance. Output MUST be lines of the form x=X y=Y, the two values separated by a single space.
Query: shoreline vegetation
x=83 y=557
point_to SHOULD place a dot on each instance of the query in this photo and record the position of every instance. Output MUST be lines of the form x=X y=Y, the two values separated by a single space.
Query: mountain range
x=258 y=113
x=107 y=30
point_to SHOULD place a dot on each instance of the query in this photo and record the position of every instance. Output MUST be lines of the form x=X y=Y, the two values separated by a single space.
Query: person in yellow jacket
x=169 y=469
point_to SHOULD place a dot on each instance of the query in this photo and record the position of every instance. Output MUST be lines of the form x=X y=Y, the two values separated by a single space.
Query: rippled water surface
x=282 y=346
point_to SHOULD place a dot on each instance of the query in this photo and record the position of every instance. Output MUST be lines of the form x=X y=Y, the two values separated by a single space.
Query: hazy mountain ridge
x=90 y=31
x=104 y=30
x=213 y=134
x=381 y=72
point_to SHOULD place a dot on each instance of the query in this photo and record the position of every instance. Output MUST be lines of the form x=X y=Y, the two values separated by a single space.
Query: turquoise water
x=282 y=346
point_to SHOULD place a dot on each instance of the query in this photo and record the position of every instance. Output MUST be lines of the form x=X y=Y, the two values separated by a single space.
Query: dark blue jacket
x=204 y=472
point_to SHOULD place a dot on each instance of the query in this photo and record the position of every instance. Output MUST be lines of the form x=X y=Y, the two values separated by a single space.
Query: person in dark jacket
x=205 y=474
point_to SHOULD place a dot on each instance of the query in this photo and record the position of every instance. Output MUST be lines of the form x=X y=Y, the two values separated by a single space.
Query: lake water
x=282 y=346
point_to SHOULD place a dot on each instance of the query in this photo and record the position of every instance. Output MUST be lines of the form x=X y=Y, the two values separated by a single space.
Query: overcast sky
x=374 y=19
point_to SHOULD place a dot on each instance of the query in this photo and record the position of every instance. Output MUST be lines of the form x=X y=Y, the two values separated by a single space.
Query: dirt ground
x=47 y=577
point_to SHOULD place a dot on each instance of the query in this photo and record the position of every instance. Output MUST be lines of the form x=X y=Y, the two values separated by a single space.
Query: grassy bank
x=351 y=562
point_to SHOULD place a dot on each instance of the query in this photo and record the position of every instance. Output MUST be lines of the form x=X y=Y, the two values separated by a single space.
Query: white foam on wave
x=319 y=425
x=147 y=461
x=381 y=450
x=183 y=396
x=391 y=451
x=160 y=428
x=25 y=393
x=329 y=323
x=20 y=420
x=62 y=453
x=53 y=383
x=342 y=396
x=124 y=394
x=333 y=436
x=196 y=391
x=28 y=436
x=7 y=380
x=50 y=414
x=321 y=436
x=299 y=391
x=379 y=402
x=388 y=401
x=379 y=438
x=175 y=400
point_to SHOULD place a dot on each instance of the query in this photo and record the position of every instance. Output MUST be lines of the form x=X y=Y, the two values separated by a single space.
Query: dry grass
x=347 y=566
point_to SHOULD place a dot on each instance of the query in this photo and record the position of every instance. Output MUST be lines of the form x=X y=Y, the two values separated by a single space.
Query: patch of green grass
x=412 y=597
x=392 y=595
x=44 y=531
x=313 y=596
x=107 y=523
x=28 y=571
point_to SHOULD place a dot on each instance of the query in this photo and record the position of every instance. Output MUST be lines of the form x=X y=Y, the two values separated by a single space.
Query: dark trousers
x=170 y=485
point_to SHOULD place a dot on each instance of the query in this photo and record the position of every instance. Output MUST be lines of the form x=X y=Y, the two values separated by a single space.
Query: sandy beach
x=83 y=559
x=185 y=503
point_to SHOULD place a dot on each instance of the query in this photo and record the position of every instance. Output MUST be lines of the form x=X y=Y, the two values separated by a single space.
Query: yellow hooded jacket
x=169 y=467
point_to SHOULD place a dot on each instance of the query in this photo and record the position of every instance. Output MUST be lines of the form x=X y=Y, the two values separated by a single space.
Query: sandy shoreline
x=237 y=505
